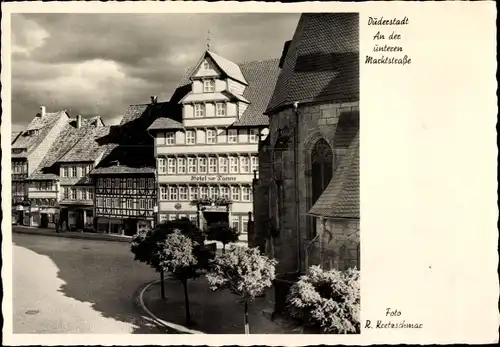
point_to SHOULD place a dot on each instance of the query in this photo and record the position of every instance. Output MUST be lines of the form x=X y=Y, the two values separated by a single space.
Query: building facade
x=206 y=161
x=60 y=190
x=28 y=150
x=313 y=124
x=124 y=180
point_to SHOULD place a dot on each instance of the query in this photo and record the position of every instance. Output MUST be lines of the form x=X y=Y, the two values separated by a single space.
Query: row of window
x=125 y=204
x=211 y=136
x=43 y=202
x=189 y=193
x=126 y=183
x=76 y=170
x=44 y=186
x=19 y=167
x=77 y=193
x=18 y=189
x=211 y=165
x=200 y=110
x=240 y=223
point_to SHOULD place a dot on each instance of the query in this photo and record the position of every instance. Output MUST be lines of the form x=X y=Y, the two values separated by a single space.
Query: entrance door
x=215 y=217
x=44 y=220
x=80 y=223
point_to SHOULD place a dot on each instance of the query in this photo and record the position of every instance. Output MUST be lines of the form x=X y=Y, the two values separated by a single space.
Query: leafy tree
x=327 y=301
x=245 y=272
x=147 y=243
x=176 y=255
x=222 y=232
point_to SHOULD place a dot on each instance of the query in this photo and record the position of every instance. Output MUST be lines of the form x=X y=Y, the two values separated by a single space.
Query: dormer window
x=209 y=86
x=199 y=110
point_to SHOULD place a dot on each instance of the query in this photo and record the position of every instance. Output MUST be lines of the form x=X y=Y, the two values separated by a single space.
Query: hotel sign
x=213 y=178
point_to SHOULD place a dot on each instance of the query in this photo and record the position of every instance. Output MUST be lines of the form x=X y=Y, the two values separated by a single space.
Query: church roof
x=321 y=63
x=341 y=197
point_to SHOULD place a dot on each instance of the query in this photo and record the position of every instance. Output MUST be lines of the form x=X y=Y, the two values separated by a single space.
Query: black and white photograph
x=197 y=168
x=185 y=173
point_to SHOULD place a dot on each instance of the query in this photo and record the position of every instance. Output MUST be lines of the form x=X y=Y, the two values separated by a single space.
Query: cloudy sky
x=100 y=63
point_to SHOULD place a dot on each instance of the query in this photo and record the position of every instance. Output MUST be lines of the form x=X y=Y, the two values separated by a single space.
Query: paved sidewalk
x=69 y=234
x=212 y=312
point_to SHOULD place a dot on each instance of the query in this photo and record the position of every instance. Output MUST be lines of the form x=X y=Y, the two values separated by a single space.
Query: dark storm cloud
x=100 y=63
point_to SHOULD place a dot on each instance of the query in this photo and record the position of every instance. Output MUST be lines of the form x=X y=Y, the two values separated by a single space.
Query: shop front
x=121 y=226
x=77 y=218
x=21 y=213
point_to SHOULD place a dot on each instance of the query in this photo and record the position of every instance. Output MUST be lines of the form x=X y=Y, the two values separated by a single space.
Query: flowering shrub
x=245 y=272
x=327 y=300
x=209 y=201
x=176 y=255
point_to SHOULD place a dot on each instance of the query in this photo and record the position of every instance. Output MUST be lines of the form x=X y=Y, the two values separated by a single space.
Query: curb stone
x=167 y=325
x=72 y=235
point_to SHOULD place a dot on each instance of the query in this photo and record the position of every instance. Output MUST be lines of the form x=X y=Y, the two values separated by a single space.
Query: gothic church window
x=322 y=168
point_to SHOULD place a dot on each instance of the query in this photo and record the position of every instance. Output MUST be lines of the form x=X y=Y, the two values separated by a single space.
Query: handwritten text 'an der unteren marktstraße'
x=388 y=52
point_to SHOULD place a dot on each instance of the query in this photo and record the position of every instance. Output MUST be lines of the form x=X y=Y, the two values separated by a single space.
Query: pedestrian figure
x=56 y=222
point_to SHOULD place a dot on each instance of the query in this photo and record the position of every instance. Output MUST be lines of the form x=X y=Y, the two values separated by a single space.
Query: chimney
x=42 y=111
x=79 y=121
x=154 y=99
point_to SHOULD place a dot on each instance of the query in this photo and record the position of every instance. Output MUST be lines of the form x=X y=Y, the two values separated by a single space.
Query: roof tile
x=324 y=56
x=341 y=198
x=43 y=125
x=261 y=77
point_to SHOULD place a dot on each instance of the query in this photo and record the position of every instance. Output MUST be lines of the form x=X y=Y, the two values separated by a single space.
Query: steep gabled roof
x=261 y=76
x=231 y=69
x=87 y=149
x=341 y=198
x=321 y=63
x=65 y=141
x=14 y=135
x=42 y=125
x=129 y=148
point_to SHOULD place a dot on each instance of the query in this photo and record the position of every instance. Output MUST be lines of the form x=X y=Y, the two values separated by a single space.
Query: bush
x=245 y=272
x=327 y=300
x=145 y=244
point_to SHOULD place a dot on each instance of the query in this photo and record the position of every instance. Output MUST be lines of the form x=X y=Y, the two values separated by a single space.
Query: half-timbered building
x=124 y=180
x=206 y=160
x=28 y=149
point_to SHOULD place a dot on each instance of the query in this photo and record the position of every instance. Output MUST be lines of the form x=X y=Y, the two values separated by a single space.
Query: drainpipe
x=297 y=195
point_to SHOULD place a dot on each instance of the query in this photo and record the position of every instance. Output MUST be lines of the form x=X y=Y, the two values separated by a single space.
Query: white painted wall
x=235 y=87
